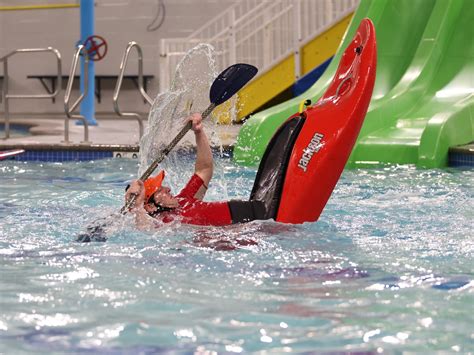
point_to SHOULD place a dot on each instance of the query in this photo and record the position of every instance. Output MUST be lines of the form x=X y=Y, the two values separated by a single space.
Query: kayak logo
x=313 y=147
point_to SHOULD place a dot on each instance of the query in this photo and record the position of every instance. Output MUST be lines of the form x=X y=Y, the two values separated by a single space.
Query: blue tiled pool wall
x=460 y=159
x=62 y=155
x=455 y=159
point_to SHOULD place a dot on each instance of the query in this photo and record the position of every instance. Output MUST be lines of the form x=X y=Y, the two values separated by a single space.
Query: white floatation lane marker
x=313 y=147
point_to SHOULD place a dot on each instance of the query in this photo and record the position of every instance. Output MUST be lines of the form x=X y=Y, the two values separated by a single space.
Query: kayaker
x=155 y=199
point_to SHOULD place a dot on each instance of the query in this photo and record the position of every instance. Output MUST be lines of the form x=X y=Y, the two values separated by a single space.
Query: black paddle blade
x=230 y=81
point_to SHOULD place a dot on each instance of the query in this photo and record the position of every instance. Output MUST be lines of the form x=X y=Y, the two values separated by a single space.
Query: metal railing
x=6 y=96
x=261 y=33
x=221 y=22
x=67 y=96
x=118 y=86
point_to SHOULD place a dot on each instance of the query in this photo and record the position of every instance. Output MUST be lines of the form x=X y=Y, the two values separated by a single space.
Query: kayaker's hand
x=136 y=189
x=196 y=119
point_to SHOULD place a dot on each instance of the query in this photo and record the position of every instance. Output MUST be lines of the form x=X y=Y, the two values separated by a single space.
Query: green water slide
x=423 y=100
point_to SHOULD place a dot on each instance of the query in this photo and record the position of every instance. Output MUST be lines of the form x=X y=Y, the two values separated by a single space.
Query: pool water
x=387 y=268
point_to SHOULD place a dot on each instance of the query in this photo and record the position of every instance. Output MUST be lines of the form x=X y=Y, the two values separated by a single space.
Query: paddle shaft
x=163 y=155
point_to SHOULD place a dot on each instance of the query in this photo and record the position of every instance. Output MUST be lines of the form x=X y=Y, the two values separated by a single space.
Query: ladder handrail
x=118 y=86
x=67 y=96
x=6 y=96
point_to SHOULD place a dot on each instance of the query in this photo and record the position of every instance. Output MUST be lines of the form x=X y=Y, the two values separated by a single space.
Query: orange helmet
x=152 y=184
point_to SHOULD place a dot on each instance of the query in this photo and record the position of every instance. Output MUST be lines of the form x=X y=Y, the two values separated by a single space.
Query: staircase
x=258 y=32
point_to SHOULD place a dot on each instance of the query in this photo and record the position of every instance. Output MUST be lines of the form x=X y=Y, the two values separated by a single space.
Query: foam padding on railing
x=324 y=46
x=282 y=76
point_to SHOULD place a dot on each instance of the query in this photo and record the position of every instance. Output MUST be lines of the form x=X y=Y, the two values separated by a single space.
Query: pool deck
x=116 y=134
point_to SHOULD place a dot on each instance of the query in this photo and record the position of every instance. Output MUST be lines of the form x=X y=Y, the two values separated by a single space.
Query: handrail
x=7 y=96
x=67 y=95
x=261 y=33
x=239 y=8
x=118 y=86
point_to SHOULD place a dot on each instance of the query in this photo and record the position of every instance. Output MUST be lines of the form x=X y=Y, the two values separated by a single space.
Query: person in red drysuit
x=155 y=200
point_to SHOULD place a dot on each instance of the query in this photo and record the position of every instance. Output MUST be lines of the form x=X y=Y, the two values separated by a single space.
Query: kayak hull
x=307 y=154
x=329 y=132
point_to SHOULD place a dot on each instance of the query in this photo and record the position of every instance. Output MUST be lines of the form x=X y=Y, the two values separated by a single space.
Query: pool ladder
x=118 y=86
x=6 y=96
x=80 y=51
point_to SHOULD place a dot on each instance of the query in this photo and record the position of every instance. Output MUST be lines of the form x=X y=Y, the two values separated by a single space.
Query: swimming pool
x=387 y=267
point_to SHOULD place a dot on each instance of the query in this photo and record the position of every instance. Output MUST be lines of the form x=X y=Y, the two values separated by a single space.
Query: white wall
x=118 y=21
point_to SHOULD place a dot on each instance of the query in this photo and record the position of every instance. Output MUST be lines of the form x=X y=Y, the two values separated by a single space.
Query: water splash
x=189 y=92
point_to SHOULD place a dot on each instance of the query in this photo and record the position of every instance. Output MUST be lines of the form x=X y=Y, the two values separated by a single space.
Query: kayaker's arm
x=204 y=166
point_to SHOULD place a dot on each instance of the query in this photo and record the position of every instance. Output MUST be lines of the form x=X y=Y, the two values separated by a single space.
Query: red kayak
x=307 y=155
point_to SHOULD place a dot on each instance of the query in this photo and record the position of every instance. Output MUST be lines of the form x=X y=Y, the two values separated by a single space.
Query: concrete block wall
x=118 y=21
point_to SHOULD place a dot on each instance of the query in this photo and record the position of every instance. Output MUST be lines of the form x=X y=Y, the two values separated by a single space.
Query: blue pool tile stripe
x=459 y=159
x=455 y=158
x=63 y=155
